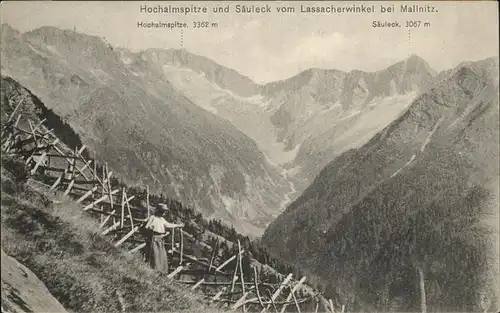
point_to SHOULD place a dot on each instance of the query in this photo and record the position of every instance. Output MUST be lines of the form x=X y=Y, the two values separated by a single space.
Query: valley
x=252 y=148
x=304 y=122
x=379 y=185
x=182 y=150
x=414 y=203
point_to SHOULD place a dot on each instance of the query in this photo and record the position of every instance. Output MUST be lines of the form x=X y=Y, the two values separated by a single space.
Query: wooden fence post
x=332 y=308
x=227 y=262
x=95 y=187
x=129 y=211
x=241 y=273
x=16 y=108
x=235 y=274
x=103 y=191
x=101 y=199
x=130 y=233
x=296 y=303
x=272 y=301
x=71 y=177
x=122 y=215
x=278 y=291
x=292 y=294
x=175 y=272
x=215 y=250
x=217 y=296
x=110 y=194
x=182 y=246
x=256 y=283
x=201 y=281
x=147 y=202
x=172 y=240
x=142 y=245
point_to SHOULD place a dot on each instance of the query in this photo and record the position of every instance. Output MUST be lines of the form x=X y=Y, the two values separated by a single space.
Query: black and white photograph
x=250 y=156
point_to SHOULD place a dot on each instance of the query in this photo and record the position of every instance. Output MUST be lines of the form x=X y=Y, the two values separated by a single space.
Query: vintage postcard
x=250 y=156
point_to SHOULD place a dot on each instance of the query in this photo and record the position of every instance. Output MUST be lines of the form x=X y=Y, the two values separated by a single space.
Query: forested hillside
x=414 y=211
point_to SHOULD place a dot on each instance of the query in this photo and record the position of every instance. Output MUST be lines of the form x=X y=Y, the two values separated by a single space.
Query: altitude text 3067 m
x=398 y=24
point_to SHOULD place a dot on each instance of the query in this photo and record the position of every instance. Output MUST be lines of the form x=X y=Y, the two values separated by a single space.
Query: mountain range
x=131 y=117
x=382 y=184
x=202 y=132
x=303 y=122
x=413 y=211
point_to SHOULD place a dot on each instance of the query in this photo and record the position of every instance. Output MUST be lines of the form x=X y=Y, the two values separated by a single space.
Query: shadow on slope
x=32 y=106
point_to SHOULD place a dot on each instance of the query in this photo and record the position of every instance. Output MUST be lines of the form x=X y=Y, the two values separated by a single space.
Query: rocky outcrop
x=23 y=292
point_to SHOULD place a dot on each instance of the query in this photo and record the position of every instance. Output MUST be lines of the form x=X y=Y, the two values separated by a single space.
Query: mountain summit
x=157 y=108
x=132 y=117
x=413 y=210
x=303 y=122
x=223 y=77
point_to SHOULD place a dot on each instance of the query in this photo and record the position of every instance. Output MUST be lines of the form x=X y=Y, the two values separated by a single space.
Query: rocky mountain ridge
x=298 y=124
x=303 y=122
x=132 y=118
x=417 y=205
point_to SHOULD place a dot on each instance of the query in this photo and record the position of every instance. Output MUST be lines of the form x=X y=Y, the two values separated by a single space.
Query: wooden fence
x=69 y=171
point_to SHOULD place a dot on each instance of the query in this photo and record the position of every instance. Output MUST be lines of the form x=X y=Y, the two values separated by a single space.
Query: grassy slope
x=13 y=92
x=59 y=243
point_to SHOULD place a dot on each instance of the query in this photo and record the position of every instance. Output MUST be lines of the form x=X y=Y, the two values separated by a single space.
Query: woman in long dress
x=156 y=229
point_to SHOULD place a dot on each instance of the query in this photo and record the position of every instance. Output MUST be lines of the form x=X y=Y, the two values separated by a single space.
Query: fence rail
x=69 y=171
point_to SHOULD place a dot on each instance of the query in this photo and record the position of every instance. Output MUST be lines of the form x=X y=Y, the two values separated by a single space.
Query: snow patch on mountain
x=248 y=114
x=404 y=166
x=184 y=79
x=53 y=49
x=38 y=51
x=125 y=59
x=428 y=139
x=100 y=74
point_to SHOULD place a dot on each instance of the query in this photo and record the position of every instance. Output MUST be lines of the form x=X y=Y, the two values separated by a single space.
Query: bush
x=15 y=167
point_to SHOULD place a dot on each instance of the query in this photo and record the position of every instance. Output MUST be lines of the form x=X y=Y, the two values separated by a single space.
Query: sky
x=274 y=46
